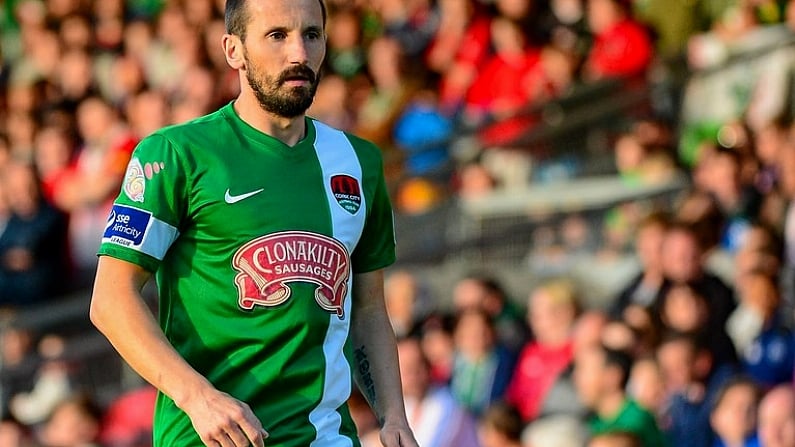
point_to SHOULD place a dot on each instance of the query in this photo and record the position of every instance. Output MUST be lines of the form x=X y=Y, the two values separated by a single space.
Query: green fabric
x=632 y=419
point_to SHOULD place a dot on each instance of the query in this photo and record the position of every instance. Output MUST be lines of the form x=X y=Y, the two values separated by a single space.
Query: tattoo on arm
x=366 y=378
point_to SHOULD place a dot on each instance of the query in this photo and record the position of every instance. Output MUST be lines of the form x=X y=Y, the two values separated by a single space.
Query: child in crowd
x=500 y=426
x=482 y=368
x=647 y=385
x=552 y=311
x=766 y=347
x=692 y=379
x=733 y=416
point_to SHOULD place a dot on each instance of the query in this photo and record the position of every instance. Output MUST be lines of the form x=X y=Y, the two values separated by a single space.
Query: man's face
x=284 y=48
x=676 y=358
x=681 y=256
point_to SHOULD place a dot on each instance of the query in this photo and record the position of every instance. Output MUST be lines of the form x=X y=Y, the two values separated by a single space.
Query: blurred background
x=566 y=175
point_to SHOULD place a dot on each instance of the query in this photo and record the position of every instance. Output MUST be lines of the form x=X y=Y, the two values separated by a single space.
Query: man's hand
x=221 y=420
x=397 y=435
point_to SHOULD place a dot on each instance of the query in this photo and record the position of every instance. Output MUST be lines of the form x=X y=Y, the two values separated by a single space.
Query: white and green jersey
x=254 y=245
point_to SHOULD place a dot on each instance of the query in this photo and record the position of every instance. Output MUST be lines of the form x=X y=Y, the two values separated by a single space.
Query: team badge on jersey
x=267 y=265
x=347 y=192
x=134 y=182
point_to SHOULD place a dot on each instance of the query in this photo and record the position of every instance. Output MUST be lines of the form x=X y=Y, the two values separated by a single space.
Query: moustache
x=301 y=72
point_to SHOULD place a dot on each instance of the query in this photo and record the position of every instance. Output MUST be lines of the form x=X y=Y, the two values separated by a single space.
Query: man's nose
x=297 y=53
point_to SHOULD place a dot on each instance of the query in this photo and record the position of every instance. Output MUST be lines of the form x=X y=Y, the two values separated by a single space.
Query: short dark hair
x=236 y=17
x=504 y=418
x=734 y=382
x=615 y=358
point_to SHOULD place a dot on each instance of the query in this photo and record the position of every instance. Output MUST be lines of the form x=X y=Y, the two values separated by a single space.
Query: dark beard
x=289 y=103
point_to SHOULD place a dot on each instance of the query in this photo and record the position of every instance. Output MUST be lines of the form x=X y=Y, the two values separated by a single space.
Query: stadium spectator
x=20 y=362
x=777 y=417
x=436 y=338
x=601 y=375
x=500 y=426
x=94 y=178
x=552 y=312
x=389 y=93
x=766 y=347
x=621 y=46
x=52 y=155
x=683 y=261
x=75 y=422
x=644 y=289
x=406 y=303
x=692 y=380
x=562 y=398
x=15 y=434
x=647 y=386
x=435 y=417
x=684 y=309
x=127 y=420
x=33 y=261
x=482 y=367
x=733 y=417
x=346 y=54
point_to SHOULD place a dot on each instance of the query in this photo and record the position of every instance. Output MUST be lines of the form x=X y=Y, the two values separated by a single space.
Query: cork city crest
x=267 y=265
x=347 y=192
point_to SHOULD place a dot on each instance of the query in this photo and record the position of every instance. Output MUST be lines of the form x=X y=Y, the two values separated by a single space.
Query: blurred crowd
x=682 y=356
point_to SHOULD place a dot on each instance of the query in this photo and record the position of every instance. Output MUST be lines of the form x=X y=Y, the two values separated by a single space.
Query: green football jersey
x=254 y=244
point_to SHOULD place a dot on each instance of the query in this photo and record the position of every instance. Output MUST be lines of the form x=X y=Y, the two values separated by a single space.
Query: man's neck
x=287 y=130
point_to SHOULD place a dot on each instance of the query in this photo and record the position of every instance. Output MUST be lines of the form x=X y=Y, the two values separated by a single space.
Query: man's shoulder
x=206 y=124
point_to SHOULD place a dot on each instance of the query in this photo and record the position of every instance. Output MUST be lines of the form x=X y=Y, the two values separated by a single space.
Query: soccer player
x=267 y=232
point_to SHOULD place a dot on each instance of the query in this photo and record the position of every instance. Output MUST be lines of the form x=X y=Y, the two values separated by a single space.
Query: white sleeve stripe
x=158 y=239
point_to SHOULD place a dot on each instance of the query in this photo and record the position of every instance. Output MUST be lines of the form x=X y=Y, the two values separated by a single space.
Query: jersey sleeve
x=147 y=214
x=376 y=247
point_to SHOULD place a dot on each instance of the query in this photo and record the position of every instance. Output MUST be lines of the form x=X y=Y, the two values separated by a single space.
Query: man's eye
x=277 y=36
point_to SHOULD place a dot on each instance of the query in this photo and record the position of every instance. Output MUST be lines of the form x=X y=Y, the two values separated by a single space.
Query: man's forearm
x=375 y=361
x=120 y=314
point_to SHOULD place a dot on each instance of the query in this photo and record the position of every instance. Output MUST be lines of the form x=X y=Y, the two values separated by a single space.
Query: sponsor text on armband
x=138 y=230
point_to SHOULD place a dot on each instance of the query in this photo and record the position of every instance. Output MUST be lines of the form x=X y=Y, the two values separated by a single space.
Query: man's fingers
x=255 y=436
x=252 y=429
x=238 y=437
x=224 y=441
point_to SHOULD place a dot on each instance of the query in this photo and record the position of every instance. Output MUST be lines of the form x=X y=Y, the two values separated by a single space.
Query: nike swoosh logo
x=230 y=199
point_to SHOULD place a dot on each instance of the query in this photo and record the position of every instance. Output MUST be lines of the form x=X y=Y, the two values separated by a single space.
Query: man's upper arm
x=116 y=276
x=368 y=289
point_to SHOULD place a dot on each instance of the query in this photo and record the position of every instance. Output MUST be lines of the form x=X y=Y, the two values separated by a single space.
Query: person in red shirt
x=621 y=46
x=552 y=310
x=461 y=45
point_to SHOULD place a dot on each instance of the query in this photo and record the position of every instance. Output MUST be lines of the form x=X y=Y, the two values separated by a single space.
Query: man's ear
x=233 y=50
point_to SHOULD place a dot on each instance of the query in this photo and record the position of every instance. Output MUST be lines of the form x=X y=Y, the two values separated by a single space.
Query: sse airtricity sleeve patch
x=139 y=230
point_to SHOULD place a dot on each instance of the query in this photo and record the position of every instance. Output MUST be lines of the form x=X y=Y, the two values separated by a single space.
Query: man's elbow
x=97 y=312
